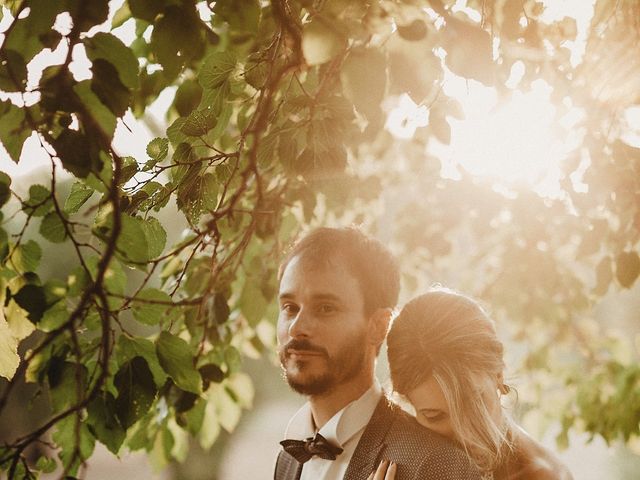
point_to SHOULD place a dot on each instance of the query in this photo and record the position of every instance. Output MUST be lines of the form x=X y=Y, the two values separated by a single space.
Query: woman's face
x=431 y=408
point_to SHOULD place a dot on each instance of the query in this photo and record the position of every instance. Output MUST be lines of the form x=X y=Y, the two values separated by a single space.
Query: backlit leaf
x=108 y=47
x=151 y=305
x=78 y=195
x=39 y=202
x=321 y=41
x=136 y=391
x=176 y=359
x=158 y=148
x=52 y=228
x=216 y=69
x=9 y=358
x=5 y=188
x=627 y=268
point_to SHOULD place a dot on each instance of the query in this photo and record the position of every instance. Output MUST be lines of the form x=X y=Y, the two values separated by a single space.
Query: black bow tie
x=303 y=450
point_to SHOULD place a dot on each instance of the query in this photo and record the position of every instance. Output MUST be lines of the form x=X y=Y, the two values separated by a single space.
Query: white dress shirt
x=344 y=429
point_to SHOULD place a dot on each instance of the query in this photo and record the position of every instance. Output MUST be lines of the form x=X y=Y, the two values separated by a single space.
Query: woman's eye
x=435 y=418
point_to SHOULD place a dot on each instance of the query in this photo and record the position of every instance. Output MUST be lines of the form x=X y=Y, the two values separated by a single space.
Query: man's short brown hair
x=370 y=262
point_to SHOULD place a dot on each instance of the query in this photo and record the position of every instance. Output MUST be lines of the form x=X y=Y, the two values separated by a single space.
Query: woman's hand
x=386 y=471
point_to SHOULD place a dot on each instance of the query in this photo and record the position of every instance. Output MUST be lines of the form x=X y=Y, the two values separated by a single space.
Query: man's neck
x=325 y=406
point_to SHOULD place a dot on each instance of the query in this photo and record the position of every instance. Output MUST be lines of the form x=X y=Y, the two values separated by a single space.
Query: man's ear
x=379 y=325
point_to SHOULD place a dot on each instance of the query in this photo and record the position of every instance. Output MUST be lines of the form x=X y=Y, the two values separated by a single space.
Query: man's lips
x=293 y=353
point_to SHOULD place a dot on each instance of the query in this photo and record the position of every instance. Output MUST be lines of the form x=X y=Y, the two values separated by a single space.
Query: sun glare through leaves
x=514 y=138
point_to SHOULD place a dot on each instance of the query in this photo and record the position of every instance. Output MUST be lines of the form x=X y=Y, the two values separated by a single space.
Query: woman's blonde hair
x=448 y=335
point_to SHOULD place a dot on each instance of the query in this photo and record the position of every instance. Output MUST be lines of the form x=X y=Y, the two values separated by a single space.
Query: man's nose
x=300 y=325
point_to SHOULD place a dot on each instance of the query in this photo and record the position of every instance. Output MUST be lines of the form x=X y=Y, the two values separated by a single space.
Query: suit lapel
x=287 y=467
x=366 y=456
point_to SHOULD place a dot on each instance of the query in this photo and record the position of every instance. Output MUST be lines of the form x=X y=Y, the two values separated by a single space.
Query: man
x=337 y=291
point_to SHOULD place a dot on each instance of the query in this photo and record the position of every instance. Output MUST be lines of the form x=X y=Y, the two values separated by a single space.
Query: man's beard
x=345 y=365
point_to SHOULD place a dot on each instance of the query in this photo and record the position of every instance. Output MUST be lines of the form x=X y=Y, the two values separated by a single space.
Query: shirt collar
x=343 y=425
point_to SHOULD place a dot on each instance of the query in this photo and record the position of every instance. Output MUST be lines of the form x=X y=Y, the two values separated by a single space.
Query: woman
x=446 y=360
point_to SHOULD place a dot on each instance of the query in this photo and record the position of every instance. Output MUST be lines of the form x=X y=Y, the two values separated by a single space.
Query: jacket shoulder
x=437 y=457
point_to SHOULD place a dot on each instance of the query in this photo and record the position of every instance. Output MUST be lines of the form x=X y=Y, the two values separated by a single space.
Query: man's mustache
x=304 y=345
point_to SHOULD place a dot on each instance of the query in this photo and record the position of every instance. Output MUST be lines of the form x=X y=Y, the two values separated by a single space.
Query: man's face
x=322 y=327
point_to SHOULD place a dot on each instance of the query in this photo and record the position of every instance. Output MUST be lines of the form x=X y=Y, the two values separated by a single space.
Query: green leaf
x=241 y=15
x=128 y=348
x=13 y=72
x=469 y=51
x=198 y=194
x=176 y=359
x=604 y=276
x=103 y=422
x=199 y=122
x=121 y=16
x=79 y=154
x=158 y=148
x=146 y=9
x=67 y=437
x=46 y=464
x=229 y=412
x=5 y=188
x=364 y=80
x=211 y=373
x=64 y=379
x=155 y=235
x=110 y=48
x=255 y=74
x=98 y=106
x=27 y=256
x=627 y=268
x=321 y=41
x=252 y=303
x=194 y=418
x=221 y=309
x=216 y=69
x=146 y=311
x=132 y=243
x=39 y=202
x=78 y=195
x=136 y=391
x=440 y=127
x=107 y=86
x=25 y=35
x=242 y=387
x=54 y=317
x=32 y=298
x=86 y=15
x=52 y=228
x=414 y=31
x=176 y=38
x=188 y=97
x=9 y=358
x=266 y=149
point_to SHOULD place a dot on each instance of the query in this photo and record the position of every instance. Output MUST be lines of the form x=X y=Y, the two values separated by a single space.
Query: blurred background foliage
x=494 y=145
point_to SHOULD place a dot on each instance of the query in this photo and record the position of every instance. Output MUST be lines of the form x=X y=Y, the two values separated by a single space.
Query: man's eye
x=289 y=308
x=326 y=308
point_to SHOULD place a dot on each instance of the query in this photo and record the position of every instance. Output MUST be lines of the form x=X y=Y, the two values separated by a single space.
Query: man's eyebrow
x=315 y=297
x=327 y=296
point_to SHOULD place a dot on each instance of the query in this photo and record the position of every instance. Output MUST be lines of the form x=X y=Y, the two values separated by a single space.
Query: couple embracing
x=338 y=289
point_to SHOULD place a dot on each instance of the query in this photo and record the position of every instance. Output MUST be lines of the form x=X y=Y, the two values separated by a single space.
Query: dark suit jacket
x=394 y=435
